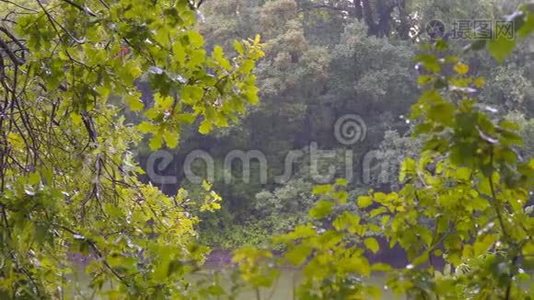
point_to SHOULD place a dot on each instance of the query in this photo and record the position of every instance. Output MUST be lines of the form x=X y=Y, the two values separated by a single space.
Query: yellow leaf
x=76 y=118
x=206 y=185
x=461 y=68
x=34 y=178
x=205 y=127
x=364 y=201
x=15 y=140
x=480 y=82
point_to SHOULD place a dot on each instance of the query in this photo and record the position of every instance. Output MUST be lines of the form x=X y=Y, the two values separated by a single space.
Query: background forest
x=324 y=60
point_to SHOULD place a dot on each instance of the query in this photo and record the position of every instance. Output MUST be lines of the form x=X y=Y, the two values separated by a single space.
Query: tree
x=464 y=200
x=322 y=63
x=68 y=179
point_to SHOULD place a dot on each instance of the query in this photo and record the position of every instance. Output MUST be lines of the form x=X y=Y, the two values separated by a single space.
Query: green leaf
x=134 y=102
x=76 y=119
x=364 y=201
x=206 y=185
x=381 y=267
x=195 y=39
x=298 y=254
x=218 y=55
x=179 y=53
x=461 y=68
x=252 y=95
x=372 y=244
x=192 y=94
x=34 y=178
x=483 y=243
x=424 y=79
x=197 y=58
x=348 y=221
x=500 y=48
x=15 y=140
x=322 y=189
x=238 y=47
x=321 y=209
x=156 y=142
x=341 y=197
x=377 y=211
x=146 y=127
x=429 y=62
x=342 y=182
x=171 y=139
x=463 y=173
x=407 y=169
x=205 y=127
x=442 y=113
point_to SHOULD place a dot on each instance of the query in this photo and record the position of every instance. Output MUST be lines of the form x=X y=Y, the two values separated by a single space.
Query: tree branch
x=10 y=53
x=81 y=8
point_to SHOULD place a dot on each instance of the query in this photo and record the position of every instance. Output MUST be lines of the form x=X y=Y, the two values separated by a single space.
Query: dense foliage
x=68 y=180
x=463 y=214
x=323 y=61
x=91 y=88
